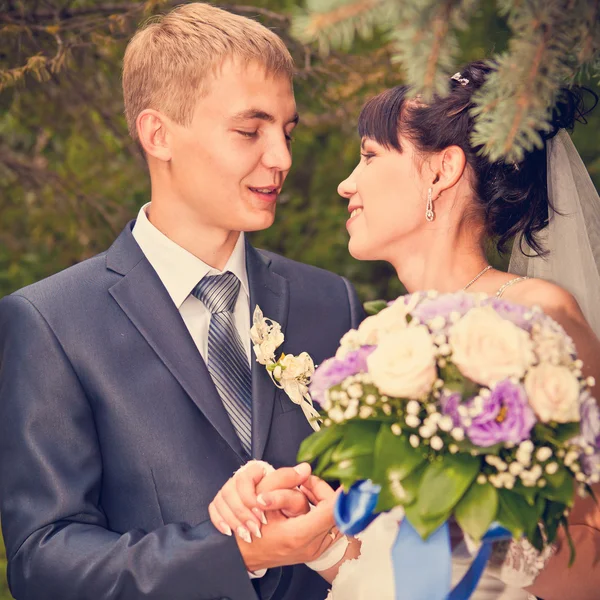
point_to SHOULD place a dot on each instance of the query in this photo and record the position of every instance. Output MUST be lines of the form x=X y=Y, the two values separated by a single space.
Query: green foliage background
x=70 y=179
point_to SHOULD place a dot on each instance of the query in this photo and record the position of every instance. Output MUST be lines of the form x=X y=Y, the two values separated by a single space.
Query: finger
x=319 y=489
x=291 y=502
x=217 y=520
x=309 y=495
x=228 y=516
x=316 y=522
x=246 y=481
x=284 y=478
x=230 y=496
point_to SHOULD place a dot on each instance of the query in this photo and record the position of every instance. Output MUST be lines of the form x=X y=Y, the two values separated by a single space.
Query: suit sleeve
x=357 y=312
x=59 y=545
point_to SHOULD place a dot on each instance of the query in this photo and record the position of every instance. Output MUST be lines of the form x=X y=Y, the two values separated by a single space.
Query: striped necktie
x=227 y=359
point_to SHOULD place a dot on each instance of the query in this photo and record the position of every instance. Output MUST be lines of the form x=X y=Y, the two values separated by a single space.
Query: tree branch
x=67 y=13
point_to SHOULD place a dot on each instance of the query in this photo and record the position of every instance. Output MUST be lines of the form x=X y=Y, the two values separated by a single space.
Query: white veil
x=572 y=237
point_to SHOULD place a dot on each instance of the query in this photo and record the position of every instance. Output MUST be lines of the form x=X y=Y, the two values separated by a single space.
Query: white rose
x=265 y=352
x=487 y=348
x=387 y=321
x=553 y=393
x=403 y=365
x=294 y=367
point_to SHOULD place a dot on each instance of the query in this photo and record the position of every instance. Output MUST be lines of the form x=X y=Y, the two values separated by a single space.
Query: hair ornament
x=461 y=80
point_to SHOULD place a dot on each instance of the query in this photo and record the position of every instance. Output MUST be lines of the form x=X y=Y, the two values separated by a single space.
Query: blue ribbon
x=422 y=568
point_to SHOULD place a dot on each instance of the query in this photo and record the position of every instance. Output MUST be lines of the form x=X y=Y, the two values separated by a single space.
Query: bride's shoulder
x=554 y=300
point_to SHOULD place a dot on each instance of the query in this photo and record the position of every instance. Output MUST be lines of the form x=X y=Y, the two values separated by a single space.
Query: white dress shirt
x=180 y=272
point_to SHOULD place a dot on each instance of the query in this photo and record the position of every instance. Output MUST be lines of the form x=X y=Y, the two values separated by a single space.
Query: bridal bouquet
x=459 y=405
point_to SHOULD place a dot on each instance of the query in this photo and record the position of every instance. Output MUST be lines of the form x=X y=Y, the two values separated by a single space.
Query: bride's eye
x=367 y=156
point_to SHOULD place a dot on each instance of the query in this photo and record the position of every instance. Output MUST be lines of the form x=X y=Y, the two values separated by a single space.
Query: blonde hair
x=169 y=60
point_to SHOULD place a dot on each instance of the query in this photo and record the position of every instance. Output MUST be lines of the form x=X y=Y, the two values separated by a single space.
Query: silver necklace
x=477 y=277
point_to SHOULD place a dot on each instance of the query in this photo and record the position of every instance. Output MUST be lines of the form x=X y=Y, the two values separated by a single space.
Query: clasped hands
x=269 y=513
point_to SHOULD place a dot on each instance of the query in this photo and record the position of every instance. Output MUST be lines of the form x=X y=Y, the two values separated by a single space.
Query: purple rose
x=443 y=305
x=449 y=404
x=506 y=416
x=334 y=370
x=590 y=433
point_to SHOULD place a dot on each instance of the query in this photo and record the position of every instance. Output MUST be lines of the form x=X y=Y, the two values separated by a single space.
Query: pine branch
x=515 y=104
x=335 y=23
x=427 y=45
x=65 y=14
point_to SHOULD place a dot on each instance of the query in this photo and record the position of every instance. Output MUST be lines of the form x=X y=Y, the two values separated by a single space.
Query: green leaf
x=358 y=440
x=324 y=461
x=395 y=492
x=315 y=444
x=477 y=509
x=372 y=307
x=566 y=431
x=553 y=514
x=394 y=454
x=424 y=527
x=350 y=470
x=444 y=483
x=455 y=381
x=516 y=514
x=565 y=523
x=560 y=488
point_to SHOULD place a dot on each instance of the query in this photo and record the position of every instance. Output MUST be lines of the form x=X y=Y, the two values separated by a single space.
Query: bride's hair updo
x=513 y=197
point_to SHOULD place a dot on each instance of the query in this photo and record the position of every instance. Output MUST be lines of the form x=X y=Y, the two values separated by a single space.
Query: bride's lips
x=355 y=212
x=268 y=193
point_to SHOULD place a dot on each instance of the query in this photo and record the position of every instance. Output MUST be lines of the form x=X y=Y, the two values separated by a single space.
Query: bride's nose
x=347 y=188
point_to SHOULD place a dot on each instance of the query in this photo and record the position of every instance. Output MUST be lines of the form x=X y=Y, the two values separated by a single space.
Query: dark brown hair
x=513 y=196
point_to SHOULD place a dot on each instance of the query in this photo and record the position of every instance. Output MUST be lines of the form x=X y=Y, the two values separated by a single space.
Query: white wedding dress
x=511 y=567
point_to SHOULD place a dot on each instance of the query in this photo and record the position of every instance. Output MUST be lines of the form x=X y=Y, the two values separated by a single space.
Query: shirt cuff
x=257 y=574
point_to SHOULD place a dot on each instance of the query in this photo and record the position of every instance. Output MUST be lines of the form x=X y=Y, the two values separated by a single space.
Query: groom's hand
x=289 y=541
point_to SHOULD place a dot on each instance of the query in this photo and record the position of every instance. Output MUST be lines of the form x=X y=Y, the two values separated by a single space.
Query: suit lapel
x=144 y=299
x=269 y=291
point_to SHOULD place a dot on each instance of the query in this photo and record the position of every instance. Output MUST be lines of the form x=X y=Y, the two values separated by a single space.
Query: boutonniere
x=289 y=373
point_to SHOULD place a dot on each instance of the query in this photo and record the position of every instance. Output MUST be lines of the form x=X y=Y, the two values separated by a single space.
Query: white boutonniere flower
x=290 y=373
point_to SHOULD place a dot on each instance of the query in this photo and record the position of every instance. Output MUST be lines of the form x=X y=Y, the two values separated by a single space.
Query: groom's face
x=230 y=164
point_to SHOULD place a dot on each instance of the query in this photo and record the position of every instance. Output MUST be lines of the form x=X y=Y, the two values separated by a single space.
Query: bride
x=424 y=199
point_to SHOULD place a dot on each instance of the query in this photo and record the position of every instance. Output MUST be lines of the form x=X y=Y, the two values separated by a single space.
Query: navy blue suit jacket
x=113 y=439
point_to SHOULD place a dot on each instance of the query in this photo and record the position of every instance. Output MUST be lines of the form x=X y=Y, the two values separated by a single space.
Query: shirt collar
x=179 y=270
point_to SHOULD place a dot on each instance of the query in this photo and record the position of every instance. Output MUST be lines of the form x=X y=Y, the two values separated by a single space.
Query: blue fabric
x=227 y=360
x=422 y=568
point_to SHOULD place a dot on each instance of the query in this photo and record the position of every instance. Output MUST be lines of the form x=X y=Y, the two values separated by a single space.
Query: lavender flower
x=449 y=404
x=590 y=433
x=334 y=370
x=506 y=416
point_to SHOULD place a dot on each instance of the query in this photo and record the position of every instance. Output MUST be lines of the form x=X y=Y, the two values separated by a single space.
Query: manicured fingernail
x=225 y=528
x=261 y=515
x=302 y=469
x=244 y=534
x=254 y=528
x=262 y=500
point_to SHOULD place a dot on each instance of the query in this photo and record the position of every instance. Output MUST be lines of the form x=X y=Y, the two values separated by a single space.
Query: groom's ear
x=152 y=129
x=451 y=163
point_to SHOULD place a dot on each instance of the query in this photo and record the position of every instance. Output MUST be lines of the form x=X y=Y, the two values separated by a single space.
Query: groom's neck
x=209 y=243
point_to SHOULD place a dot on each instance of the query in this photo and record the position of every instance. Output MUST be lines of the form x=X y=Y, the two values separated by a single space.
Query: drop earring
x=429 y=214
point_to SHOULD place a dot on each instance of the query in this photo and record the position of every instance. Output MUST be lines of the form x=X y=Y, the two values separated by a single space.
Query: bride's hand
x=241 y=503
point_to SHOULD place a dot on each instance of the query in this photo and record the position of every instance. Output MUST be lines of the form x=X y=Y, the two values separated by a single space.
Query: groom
x=128 y=389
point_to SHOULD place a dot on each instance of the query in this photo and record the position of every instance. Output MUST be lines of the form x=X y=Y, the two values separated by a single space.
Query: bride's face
x=386 y=200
